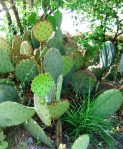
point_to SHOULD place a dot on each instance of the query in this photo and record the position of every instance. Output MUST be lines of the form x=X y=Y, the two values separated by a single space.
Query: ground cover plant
x=40 y=72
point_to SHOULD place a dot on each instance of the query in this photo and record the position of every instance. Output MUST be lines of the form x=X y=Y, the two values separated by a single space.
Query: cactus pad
x=68 y=64
x=42 y=111
x=57 y=109
x=42 y=31
x=42 y=85
x=16 y=43
x=4 y=45
x=81 y=143
x=26 y=49
x=27 y=36
x=8 y=93
x=26 y=70
x=5 y=63
x=12 y=113
x=107 y=103
x=37 y=132
x=53 y=63
x=81 y=82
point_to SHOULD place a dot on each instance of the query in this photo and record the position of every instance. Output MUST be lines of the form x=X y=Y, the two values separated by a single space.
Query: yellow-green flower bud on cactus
x=42 y=31
x=26 y=48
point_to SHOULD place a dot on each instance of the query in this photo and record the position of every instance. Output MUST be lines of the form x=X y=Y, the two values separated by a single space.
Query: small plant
x=81 y=119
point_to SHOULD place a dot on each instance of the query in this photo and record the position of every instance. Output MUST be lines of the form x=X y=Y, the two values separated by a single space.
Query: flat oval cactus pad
x=42 y=30
x=42 y=85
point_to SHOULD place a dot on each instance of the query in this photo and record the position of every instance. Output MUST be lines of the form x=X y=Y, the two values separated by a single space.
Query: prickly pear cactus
x=26 y=70
x=107 y=103
x=42 y=31
x=35 y=42
x=81 y=143
x=2 y=136
x=53 y=63
x=3 y=145
x=83 y=81
x=4 y=45
x=59 y=87
x=37 y=132
x=57 y=109
x=42 y=111
x=7 y=82
x=78 y=60
x=12 y=113
x=42 y=85
x=107 y=54
x=121 y=64
x=27 y=36
x=67 y=66
x=26 y=49
x=5 y=63
x=16 y=43
x=57 y=42
x=8 y=93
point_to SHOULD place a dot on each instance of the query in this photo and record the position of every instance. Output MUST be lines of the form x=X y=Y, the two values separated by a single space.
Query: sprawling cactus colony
x=38 y=61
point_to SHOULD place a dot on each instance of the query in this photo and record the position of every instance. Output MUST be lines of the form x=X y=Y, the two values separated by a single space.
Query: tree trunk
x=16 y=16
x=10 y=24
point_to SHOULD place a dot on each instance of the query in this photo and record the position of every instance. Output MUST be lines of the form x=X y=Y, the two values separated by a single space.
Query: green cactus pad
x=8 y=93
x=81 y=82
x=42 y=31
x=27 y=36
x=2 y=136
x=107 y=103
x=53 y=63
x=37 y=132
x=26 y=49
x=3 y=145
x=5 y=63
x=7 y=82
x=81 y=143
x=26 y=70
x=57 y=109
x=42 y=85
x=68 y=64
x=59 y=87
x=35 y=42
x=42 y=111
x=16 y=43
x=4 y=45
x=12 y=113
x=78 y=60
